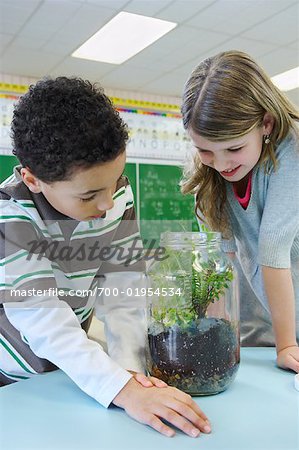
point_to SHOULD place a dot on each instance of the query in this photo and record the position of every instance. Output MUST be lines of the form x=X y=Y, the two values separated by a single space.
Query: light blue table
x=258 y=412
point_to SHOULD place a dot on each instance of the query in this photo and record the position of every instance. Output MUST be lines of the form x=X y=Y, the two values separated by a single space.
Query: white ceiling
x=37 y=38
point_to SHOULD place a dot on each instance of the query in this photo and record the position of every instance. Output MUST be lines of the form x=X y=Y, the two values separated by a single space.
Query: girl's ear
x=30 y=180
x=268 y=123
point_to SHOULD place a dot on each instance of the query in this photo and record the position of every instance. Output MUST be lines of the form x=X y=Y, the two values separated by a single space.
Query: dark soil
x=202 y=359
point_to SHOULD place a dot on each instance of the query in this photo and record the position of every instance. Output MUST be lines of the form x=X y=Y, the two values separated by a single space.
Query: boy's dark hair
x=65 y=123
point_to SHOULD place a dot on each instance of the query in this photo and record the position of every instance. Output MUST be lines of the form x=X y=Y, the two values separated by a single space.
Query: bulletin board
x=156 y=133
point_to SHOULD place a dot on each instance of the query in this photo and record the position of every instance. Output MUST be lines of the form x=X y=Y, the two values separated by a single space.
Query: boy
x=63 y=213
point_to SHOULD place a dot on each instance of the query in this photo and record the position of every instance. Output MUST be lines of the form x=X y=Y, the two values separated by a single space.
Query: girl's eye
x=87 y=199
x=234 y=149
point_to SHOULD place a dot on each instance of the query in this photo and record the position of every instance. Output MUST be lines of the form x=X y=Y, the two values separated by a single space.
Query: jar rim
x=191 y=238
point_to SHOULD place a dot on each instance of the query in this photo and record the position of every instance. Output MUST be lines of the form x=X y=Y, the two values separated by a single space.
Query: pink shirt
x=244 y=200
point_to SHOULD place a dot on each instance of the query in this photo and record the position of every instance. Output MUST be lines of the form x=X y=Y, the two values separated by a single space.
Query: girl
x=245 y=178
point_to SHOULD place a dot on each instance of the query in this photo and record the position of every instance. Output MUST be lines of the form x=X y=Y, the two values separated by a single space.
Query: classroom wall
x=16 y=79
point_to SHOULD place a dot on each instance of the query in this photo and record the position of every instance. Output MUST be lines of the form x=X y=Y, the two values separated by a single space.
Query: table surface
x=259 y=411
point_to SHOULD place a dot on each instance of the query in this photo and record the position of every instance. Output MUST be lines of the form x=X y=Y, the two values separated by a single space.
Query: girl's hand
x=288 y=358
x=147 y=381
x=154 y=406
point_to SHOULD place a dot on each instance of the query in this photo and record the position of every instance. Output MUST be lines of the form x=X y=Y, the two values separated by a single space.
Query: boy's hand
x=288 y=358
x=149 y=406
x=147 y=381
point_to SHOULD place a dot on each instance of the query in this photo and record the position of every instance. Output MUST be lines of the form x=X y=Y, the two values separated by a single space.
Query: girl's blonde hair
x=225 y=97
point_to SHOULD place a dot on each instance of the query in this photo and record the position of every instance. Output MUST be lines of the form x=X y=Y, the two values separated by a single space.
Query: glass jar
x=193 y=314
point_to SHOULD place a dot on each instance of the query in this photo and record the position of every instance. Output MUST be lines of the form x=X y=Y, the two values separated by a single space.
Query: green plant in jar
x=192 y=340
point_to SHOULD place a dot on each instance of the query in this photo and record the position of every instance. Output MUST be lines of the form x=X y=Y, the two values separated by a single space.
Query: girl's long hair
x=225 y=97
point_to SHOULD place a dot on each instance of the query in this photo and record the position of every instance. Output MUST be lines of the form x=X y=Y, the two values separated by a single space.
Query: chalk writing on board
x=160 y=193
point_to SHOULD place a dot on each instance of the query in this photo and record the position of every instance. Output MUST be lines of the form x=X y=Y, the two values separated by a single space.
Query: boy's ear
x=30 y=180
x=268 y=123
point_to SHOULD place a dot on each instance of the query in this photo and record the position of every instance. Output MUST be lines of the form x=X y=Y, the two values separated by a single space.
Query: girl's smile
x=230 y=172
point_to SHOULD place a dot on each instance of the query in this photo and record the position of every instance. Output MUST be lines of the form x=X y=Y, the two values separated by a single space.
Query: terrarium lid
x=190 y=238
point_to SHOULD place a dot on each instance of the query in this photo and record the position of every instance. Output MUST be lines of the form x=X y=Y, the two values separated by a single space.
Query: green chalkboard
x=7 y=163
x=130 y=172
x=162 y=206
x=160 y=193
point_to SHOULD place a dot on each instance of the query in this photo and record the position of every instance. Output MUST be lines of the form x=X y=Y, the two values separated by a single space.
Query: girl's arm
x=281 y=298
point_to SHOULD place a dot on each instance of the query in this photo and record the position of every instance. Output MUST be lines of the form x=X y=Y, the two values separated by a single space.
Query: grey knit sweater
x=267 y=232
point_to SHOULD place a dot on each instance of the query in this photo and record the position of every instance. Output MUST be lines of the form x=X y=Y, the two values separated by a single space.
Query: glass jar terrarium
x=193 y=314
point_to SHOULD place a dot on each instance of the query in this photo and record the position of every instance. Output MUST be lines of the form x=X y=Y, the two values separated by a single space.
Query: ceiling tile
x=83 y=24
x=90 y=70
x=146 y=7
x=131 y=79
x=250 y=13
x=170 y=84
x=114 y=4
x=279 y=61
x=49 y=18
x=185 y=69
x=159 y=64
x=181 y=10
x=15 y=61
x=294 y=45
x=231 y=16
x=14 y=14
x=254 y=48
x=18 y=9
x=181 y=36
x=60 y=47
x=206 y=41
x=218 y=12
x=4 y=40
x=280 y=29
x=29 y=43
x=293 y=95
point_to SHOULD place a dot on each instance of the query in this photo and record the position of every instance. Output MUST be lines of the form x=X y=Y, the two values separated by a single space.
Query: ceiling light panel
x=123 y=37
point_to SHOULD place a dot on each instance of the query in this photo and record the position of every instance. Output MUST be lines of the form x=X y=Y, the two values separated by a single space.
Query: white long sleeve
x=54 y=333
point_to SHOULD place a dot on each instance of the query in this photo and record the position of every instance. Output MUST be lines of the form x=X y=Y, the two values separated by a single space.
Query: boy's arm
x=50 y=326
x=53 y=332
x=281 y=298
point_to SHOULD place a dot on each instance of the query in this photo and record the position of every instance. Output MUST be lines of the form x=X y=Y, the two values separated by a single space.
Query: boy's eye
x=204 y=151
x=87 y=199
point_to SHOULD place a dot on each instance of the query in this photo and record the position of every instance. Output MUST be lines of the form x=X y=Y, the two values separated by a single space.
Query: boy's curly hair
x=65 y=123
